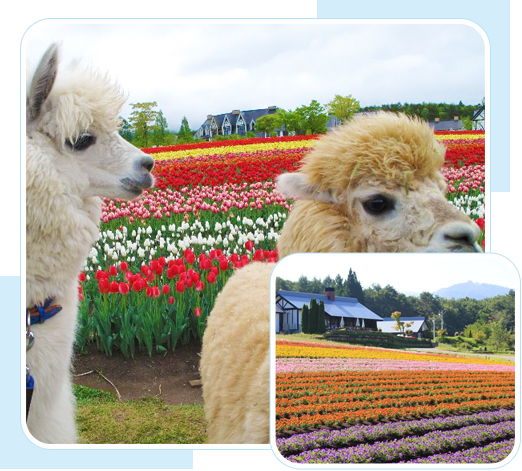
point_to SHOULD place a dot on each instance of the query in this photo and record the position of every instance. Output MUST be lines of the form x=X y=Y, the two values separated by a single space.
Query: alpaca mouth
x=137 y=186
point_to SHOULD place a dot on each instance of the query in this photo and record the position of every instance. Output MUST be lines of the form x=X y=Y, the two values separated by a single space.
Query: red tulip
x=165 y=289
x=223 y=264
x=197 y=312
x=124 y=266
x=137 y=285
x=123 y=288
x=103 y=285
x=113 y=271
x=114 y=287
x=249 y=245
x=211 y=277
x=180 y=286
x=81 y=277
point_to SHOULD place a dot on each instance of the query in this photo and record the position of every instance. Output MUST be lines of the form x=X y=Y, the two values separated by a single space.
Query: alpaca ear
x=42 y=83
x=295 y=185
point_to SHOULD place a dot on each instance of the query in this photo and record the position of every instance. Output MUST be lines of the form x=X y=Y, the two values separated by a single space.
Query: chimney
x=330 y=293
x=209 y=116
x=235 y=112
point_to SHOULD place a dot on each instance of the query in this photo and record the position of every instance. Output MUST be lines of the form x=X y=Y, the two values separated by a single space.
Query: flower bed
x=329 y=410
x=208 y=197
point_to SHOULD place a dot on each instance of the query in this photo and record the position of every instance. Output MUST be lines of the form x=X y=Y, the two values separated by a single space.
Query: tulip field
x=151 y=279
x=348 y=404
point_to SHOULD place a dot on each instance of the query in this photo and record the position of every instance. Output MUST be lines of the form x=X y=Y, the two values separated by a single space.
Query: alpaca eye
x=82 y=143
x=378 y=205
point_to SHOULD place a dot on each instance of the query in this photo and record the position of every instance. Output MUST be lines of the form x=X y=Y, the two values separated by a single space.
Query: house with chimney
x=340 y=312
x=236 y=122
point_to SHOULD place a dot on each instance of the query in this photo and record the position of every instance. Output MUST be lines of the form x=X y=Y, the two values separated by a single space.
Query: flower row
x=376 y=414
x=233 y=148
x=492 y=453
x=411 y=447
x=386 y=431
x=283 y=351
x=296 y=365
x=235 y=168
x=230 y=143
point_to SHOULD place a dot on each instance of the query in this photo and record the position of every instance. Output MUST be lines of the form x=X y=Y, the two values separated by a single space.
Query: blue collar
x=39 y=314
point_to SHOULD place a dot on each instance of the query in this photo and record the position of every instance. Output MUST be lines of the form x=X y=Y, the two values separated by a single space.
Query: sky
x=201 y=68
x=405 y=272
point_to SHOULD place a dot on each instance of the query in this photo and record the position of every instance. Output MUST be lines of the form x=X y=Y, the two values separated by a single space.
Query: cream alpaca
x=374 y=185
x=74 y=156
x=235 y=361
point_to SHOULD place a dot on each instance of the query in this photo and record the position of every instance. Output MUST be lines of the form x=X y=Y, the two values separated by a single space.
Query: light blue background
x=492 y=17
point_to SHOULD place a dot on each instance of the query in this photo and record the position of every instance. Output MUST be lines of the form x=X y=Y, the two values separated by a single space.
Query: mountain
x=471 y=289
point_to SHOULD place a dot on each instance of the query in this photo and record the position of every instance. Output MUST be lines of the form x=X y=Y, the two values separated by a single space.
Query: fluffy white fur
x=64 y=184
x=235 y=359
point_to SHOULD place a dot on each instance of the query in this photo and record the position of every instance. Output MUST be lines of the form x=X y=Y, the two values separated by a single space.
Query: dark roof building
x=236 y=122
x=454 y=124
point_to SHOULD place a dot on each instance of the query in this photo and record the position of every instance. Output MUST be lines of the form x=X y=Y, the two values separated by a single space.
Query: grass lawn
x=101 y=418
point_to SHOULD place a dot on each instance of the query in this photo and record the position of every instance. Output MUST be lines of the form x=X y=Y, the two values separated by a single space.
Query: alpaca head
x=381 y=177
x=72 y=115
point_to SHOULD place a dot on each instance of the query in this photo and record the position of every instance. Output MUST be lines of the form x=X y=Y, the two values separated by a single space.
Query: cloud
x=195 y=69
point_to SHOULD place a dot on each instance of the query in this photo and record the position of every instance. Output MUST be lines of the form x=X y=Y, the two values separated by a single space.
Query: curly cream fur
x=235 y=359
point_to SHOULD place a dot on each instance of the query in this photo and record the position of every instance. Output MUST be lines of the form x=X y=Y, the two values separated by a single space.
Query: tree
x=125 y=130
x=312 y=119
x=305 y=319
x=339 y=285
x=303 y=285
x=321 y=319
x=287 y=121
x=312 y=320
x=499 y=338
x=353 y=287
x=161 y=129
x=398 y=324
x=143 y=122
x=343 y=107
x=184 y=133
x=266 y=123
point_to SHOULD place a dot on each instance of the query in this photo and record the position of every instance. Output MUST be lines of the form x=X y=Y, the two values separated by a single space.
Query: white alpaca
x=74 y=156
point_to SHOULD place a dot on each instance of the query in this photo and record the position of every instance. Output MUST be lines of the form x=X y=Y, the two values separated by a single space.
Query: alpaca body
x=235 y=359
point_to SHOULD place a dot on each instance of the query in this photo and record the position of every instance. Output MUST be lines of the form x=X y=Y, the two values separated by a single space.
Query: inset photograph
x=394 y=358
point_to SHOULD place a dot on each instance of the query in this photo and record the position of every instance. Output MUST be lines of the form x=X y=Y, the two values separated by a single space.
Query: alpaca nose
x=460 y=237
x=147 y=162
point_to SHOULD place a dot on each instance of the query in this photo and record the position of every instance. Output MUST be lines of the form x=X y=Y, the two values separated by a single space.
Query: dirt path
x=166 y=376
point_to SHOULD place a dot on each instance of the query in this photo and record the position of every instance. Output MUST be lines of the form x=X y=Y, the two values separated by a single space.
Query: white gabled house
x=388 y=324
x=237 y=122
